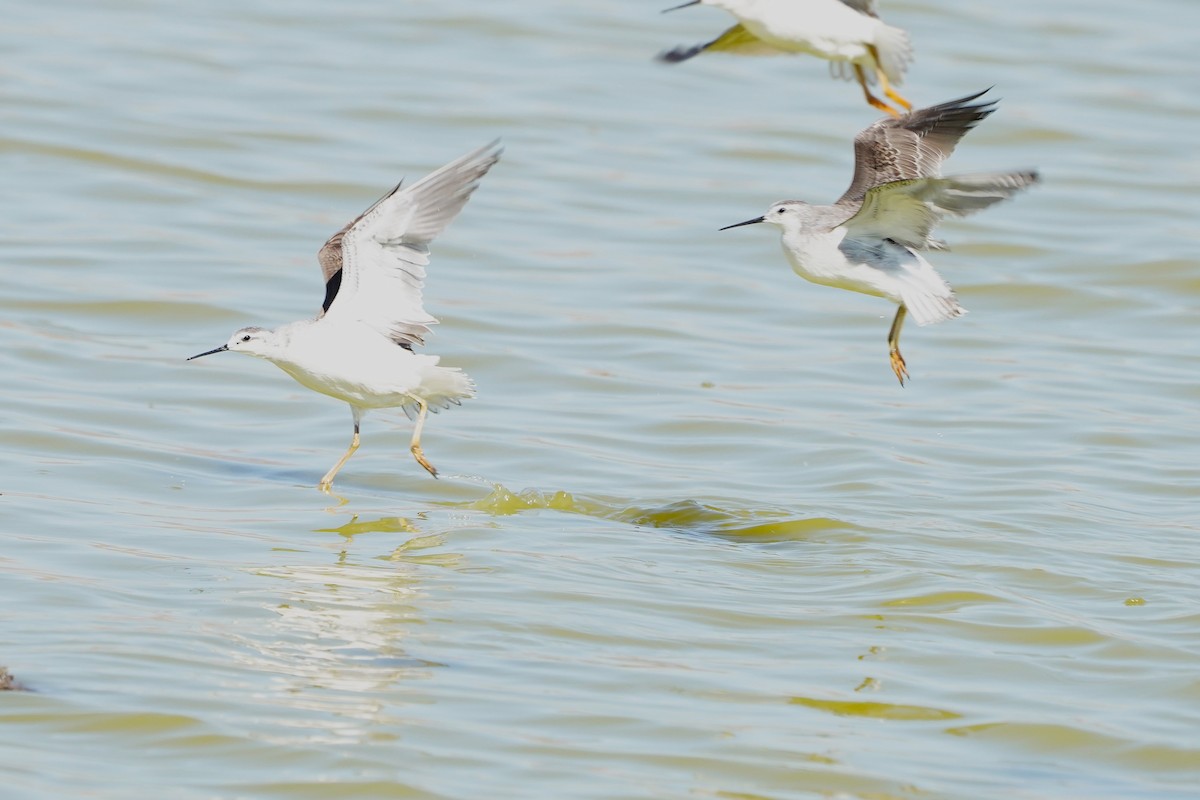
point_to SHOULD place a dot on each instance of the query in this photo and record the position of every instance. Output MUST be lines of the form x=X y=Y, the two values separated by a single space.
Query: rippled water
x=692 y=539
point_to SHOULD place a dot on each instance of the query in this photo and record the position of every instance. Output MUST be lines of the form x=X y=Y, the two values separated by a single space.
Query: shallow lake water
x=691 y=540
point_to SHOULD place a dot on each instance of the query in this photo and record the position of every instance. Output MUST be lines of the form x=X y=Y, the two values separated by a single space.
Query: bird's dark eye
x=246 y=338
x=780 y=210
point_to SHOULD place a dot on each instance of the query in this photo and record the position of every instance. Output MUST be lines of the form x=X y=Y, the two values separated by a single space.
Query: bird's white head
x=788 y=214
x=251 y=341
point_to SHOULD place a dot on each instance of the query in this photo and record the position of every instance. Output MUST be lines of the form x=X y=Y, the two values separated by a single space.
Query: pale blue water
x=692 y=539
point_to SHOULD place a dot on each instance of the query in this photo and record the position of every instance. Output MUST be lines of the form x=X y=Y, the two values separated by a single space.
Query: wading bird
x=359 y=349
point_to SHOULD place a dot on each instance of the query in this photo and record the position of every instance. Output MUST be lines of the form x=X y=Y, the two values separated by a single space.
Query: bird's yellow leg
x=898 y=365
x=417 y=452
x=884 y=84
x=327 y=481
x=872 y=99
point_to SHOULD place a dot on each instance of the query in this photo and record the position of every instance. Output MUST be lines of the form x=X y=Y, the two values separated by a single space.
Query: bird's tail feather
x=926 y=294
x=895 y=52
x=926 y=308
x=442 y=387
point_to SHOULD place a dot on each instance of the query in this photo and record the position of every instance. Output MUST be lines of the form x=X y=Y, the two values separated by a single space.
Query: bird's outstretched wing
x=735 y=40
x=375 y=267
x=907 y=211
x=912 y=146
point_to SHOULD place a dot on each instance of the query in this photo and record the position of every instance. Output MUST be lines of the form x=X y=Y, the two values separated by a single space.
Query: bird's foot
x=882 y=106
x=326 y=487
x=898 y=366
x=419 y=455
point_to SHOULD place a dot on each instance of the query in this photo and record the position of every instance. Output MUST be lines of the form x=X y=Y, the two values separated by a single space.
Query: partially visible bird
x=848 y=33
x=359 y=348
x=868 y=241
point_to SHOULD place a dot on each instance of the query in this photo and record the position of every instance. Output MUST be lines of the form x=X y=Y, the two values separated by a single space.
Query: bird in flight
x=847 y=33
x=870 y=240
x=359 y=348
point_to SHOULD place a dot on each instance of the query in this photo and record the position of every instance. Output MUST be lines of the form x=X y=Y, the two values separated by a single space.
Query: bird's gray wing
x=867 y=7
x=912 y=146
x=375 y=267
x=907 y=211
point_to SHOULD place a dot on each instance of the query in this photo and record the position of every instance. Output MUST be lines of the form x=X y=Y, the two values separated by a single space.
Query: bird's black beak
x=754 y=221
x=220 y=349
x=685 y=5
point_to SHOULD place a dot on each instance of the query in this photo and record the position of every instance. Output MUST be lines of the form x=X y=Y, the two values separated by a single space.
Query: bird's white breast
x=349 y=361
x=870 y=267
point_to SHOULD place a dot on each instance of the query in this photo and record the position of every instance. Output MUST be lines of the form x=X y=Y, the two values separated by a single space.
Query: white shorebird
x=847 y=33
x=359 y=349
x=868 y=240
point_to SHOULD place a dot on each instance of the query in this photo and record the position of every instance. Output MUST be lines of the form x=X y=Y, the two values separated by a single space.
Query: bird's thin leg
x=898 y=365
x=884 y=84
x=417 y=452
x=327 y=481
x=872 y=99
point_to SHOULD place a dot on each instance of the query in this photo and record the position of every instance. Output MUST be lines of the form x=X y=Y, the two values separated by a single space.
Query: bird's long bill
x=685 y=5
x=754 y=221
x=220 y=349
